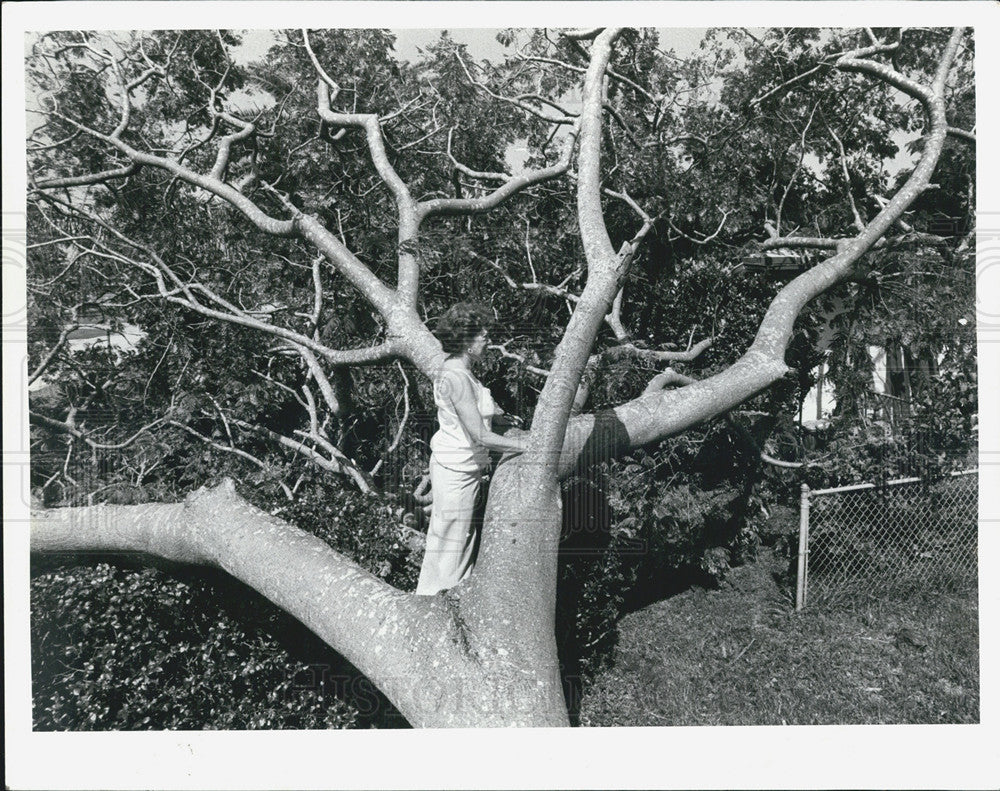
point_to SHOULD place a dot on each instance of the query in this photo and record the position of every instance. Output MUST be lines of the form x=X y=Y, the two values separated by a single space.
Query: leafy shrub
x=682 y=526
x=122 y=649
x=363 y=527
x=594 y=576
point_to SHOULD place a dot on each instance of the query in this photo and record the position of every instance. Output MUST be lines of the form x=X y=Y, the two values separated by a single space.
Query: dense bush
x=363 y=527
x=121 y=649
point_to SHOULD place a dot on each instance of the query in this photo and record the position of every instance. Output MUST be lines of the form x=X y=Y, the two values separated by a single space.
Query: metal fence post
x=800 y=589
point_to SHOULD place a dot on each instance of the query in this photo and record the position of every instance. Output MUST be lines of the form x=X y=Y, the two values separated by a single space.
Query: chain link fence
x=899 y=538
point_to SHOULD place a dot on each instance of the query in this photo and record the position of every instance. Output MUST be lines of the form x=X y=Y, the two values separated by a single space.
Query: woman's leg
x=451 y=534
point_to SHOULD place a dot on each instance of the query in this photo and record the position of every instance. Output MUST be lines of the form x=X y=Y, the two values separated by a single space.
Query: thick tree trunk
x=513 y=593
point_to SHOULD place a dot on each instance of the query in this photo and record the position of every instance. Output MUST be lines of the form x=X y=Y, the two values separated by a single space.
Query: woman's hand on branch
x=502 y=422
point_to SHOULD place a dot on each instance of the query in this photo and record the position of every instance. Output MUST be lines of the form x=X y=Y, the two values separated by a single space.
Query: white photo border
x=953 y=756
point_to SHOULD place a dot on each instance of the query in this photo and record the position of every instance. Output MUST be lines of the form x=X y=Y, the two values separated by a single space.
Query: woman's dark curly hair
x=460 y=324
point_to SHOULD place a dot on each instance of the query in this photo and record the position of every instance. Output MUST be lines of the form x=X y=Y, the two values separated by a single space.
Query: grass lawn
x=740 y=655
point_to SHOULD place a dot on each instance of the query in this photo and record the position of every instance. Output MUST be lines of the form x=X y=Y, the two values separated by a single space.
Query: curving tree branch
x=660 y=415
x=356 y=611
x=511 y=187
x=522 y=101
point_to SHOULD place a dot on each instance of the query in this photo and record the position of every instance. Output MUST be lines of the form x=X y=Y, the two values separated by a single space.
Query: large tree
x=295 y=214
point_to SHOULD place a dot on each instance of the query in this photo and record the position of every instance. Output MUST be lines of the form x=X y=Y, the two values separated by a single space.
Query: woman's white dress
x=457 y=467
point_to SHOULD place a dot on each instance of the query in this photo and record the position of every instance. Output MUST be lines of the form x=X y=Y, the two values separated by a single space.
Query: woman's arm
x=458 y=389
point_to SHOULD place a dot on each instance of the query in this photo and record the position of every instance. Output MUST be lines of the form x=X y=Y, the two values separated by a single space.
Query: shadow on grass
x=740 y=655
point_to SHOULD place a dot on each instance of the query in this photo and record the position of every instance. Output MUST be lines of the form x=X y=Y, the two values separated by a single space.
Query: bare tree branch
x=231 y=448
x=519 y=101
x=787 y=84
x=50 y=356
x=667 y=378
x=88 y=178
x=856 y=61
x=475 y=174
x=820 y=243
x=69 y=427
x=961 y=134
x=502 y=348
x=184 y=295
x=659 y=415
x=581 y=34
x=614 y=317
x=858 y=222
x=402 y=422
x=331 y=83
x=258 y=549
x=336 y=462
x=512 y=186
x=208 y=183
x=707 y=239
x=798 y=168
x=656 y=355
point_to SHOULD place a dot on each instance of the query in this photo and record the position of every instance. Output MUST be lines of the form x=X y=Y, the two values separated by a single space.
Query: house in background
x=891 y=375
x=94 y=329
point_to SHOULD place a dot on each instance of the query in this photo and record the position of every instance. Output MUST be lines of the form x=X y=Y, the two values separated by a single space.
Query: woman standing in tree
x=459 y=449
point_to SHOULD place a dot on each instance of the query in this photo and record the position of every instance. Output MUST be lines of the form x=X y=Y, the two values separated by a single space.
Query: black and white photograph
x=383 y=379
